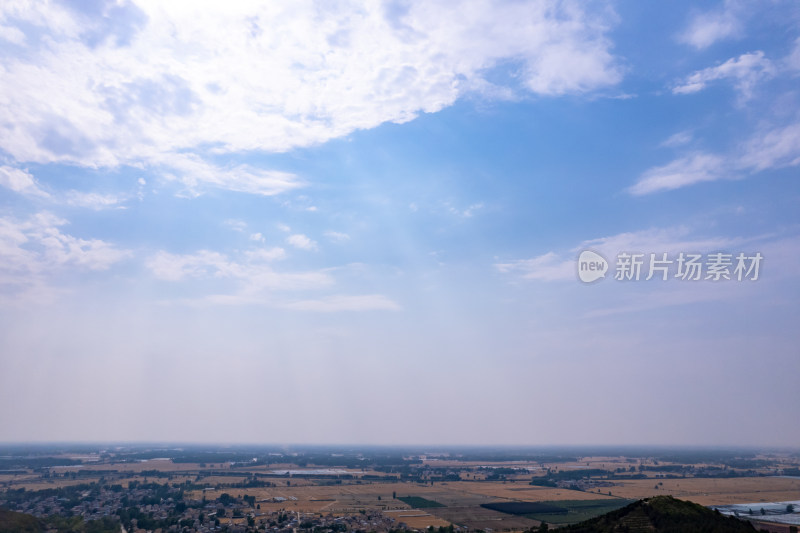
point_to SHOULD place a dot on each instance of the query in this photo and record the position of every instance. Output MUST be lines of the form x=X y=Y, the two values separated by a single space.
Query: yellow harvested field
x=163 y=465
x=516 y=491
x=416 y=519
x=17 y=477
x=351 y=498
x=316 y=499
x=214 y=480
x=48 y=484
x=713 y=491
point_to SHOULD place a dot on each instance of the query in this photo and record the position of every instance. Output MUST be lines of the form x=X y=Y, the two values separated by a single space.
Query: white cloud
x=195 y=173
x=266 y=254
x=792 y=61
x=746 y=72
x=175 y=267
x=678 y=139
x=706 y=29
x=561 y=266
x=21 y=181
x=546 y=267
x=369 y=302
x=32 y=251
x=251 y=273
x=302 y=242
x=171 y=81
x=774 y=148
x=257 y=237
x=467 y=212
x=235 y=224
x=252 y=280
x=777 y=148
x=337 y=236
x=93 y=200
x=12 y=34
x=684 y=171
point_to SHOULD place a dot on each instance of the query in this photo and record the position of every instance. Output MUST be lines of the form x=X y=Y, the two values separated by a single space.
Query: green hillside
x=13 y=522
x=661 y=514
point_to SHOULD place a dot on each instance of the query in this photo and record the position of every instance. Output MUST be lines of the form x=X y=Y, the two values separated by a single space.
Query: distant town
x=237 y=489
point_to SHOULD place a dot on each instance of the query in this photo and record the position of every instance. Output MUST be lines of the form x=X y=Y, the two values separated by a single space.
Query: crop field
x=417 y=502
x=162 y=465
x=416 y=519
x=519 y=491
x=315 y=498
x=525 y=508
x=712 y=491
x=559 y=512
x=578 y=510
x=505 y=501
x=461 y=501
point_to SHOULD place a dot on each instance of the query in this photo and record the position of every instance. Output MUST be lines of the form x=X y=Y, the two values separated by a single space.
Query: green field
x=419 y=503
x=578 y=510
x=526 y=508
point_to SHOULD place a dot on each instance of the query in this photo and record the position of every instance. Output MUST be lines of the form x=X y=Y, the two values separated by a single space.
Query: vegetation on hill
x=661 y=514
x=14 y=522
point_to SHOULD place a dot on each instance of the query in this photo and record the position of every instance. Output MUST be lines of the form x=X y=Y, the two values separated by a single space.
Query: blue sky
x=360 y=222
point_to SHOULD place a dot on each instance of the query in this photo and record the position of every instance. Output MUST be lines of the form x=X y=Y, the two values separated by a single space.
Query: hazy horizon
x=302 y=222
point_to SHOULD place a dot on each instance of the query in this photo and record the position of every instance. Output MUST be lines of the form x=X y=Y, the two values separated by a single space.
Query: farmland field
x=578 y=510
x=417 y=502
x=713 y=491
x=524 y=508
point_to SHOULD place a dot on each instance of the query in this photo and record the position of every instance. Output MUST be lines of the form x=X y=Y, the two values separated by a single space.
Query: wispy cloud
x=331 y=304
x=196 y=174
x=678 y=139
x=21 y=181
x=252 y=272
x=254 y=281
x=745 y=72
x=235 y=224
x=301 y=241
x=681 y=172
x=95 y=201
x=561 y=265
x=337 y=236
x=466 y=212
x=34 y=250
x=24 y=183
x=774 y=148
x=707 y=28
x=546 y=267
